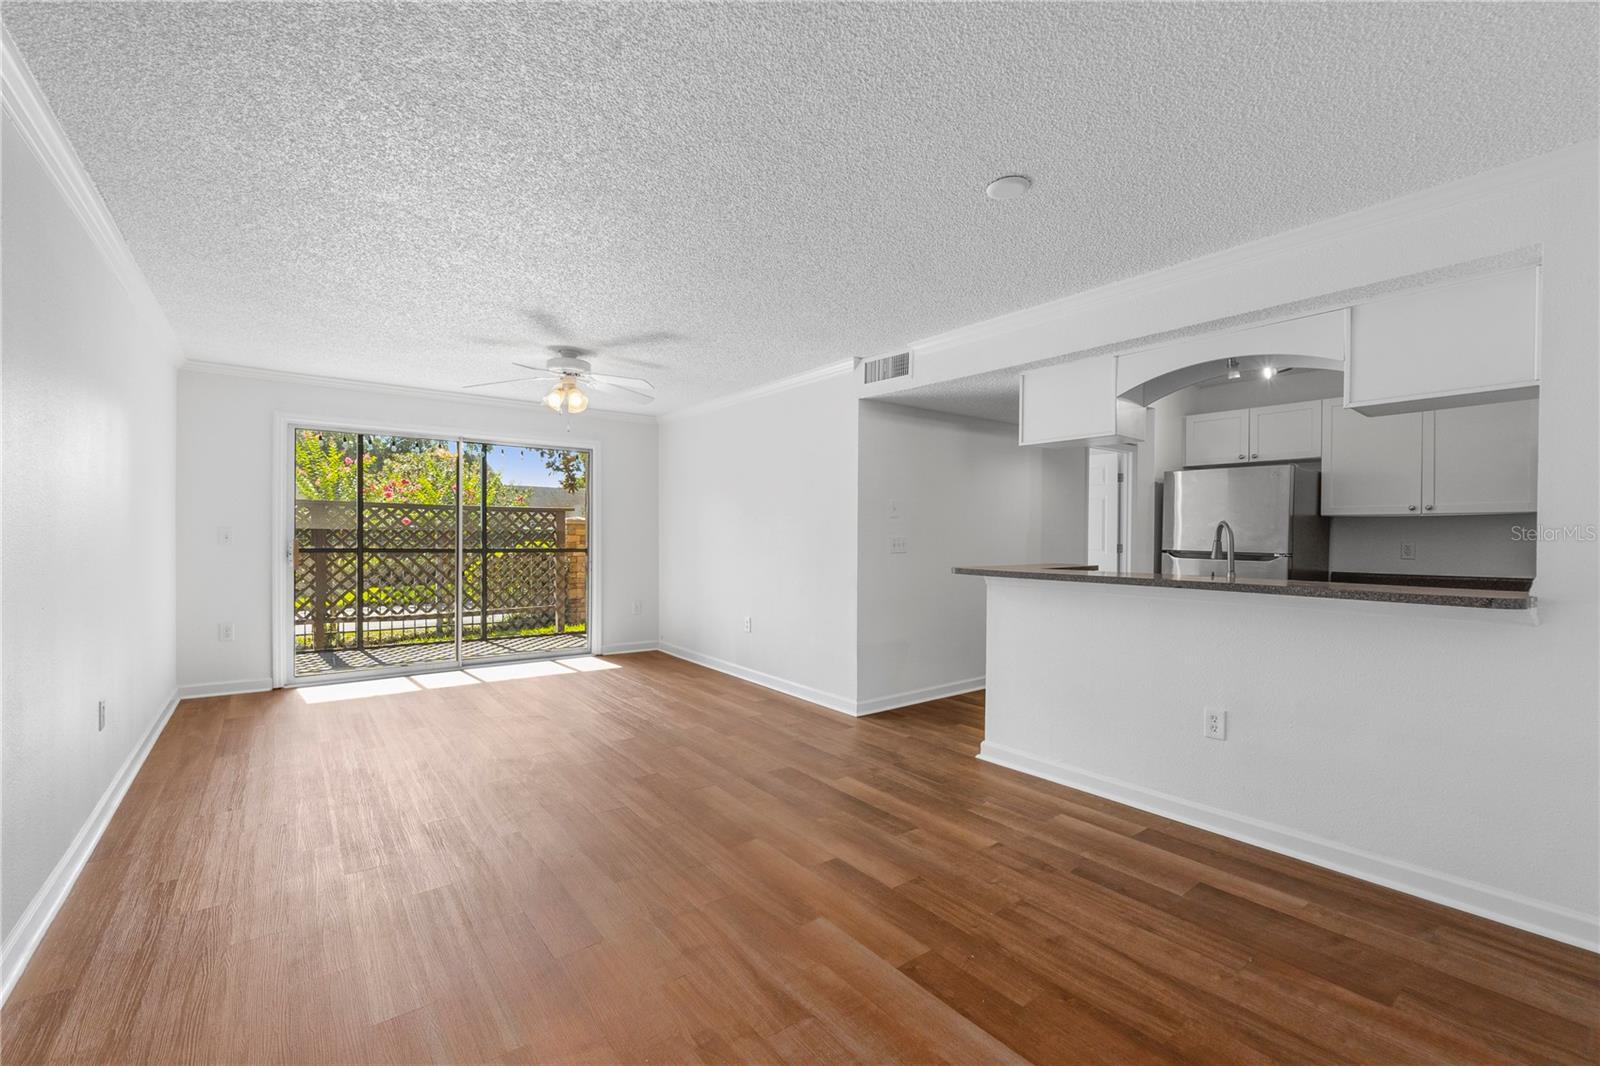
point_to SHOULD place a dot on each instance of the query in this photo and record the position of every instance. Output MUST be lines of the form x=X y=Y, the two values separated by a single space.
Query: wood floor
x=656 y=863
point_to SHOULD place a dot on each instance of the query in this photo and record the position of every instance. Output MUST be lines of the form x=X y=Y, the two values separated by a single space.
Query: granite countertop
x=1499 y=599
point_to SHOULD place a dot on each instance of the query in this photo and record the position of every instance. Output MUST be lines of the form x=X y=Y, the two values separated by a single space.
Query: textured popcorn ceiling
x=387 y=192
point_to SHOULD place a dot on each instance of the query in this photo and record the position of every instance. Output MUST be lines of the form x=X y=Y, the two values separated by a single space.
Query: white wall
x=1064 y=510
x=758 y=520
x=225 y=478
x=86 y=503
x=966 y=494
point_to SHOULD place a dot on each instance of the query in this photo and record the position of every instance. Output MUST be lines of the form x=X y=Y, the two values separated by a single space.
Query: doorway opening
x=1110 y=508
x=417 y=553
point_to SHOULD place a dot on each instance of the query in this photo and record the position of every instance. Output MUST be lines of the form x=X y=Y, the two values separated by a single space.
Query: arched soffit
x=1172 y=381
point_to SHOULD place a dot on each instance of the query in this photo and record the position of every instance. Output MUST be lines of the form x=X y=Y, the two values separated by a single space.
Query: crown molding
x=292 y=377
x=24 y=102
x=1573 y=159
x=794 y=381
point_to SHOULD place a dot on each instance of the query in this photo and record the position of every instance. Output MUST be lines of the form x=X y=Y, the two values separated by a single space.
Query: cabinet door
x=1221 y=437
x=1482 y=460
x=1465 y=342
x=1371 y=465
x=1071 y=402
x=1286 y=431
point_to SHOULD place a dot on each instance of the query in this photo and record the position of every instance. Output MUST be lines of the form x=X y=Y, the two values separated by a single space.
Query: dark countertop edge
x=1438 y=581
x=1312 y=590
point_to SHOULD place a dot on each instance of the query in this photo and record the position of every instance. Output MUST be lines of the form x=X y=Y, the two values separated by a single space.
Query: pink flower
x=349 y=461
x=405 y=521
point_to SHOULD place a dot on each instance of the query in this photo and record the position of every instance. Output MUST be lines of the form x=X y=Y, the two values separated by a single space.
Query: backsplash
x=1462 y=545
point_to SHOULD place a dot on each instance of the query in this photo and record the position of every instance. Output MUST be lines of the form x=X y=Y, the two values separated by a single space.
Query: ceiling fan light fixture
x=566 y=396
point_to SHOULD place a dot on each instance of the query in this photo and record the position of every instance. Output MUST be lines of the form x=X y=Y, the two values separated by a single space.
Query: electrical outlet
x=1214 y=726
x=747 y=624
x=638 y=607
x=224 y=535
x=224 y=631
x=1408 y=550
x=898 y=546
x=894 y=509
x=101 y=712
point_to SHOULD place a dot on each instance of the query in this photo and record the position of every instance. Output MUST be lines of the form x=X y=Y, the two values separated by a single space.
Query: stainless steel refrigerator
x=1272 y=509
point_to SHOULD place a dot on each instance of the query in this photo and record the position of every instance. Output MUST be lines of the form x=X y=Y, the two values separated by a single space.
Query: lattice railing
x=393 y=581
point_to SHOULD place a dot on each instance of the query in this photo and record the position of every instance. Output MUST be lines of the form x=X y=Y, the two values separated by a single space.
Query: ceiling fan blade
x=542 y=371
x=496 y=342
x=621 y=382
x=659 y=336
x=503 y=381
x=607 y=388
x=548 y=324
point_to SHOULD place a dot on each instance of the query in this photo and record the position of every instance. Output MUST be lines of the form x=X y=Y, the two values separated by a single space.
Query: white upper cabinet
x=1077 y=402
x=1463 y=460
x=1254 y=434
x=1466 y=342
x=1286 y=431
x=1220 y=437
x=1482 y=460
x=1370 y=465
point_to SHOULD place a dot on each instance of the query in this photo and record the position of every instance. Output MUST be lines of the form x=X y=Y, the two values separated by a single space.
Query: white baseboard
x=829 y=700
x=919 y=695
x=30 y=928
x=224 y=688
x=1508 y=908
x=629 y=649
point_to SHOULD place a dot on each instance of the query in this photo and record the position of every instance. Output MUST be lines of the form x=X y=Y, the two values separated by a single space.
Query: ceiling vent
x=887 y=368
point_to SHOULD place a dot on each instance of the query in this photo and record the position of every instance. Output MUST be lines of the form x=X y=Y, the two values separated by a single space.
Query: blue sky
x=520 y=466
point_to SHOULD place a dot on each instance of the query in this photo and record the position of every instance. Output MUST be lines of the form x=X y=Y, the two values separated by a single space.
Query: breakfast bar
x=1342 y=703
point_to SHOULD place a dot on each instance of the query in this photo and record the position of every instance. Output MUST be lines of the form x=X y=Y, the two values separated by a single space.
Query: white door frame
x=282 y=540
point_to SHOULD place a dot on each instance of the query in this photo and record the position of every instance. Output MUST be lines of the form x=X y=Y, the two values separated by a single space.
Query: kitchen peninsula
x=1228 y=706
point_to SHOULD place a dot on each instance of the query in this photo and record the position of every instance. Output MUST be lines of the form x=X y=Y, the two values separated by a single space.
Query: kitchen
x=1355 y=693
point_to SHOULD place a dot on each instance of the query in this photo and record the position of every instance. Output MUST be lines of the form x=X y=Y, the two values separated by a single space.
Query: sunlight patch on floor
x=588 y=663
x=444 y=679
x=518 y=671
x=357 y=690
x=472 y=675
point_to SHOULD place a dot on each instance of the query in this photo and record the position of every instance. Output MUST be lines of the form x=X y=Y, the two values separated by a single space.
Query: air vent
x=890 y=366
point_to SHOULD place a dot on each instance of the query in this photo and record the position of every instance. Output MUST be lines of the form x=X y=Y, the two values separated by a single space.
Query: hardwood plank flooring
x=657 y=863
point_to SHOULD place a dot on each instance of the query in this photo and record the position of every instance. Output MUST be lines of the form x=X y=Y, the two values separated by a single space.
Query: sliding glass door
x=420 y=553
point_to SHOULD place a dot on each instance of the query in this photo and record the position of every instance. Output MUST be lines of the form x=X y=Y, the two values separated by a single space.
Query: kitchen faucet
x=1216 y=546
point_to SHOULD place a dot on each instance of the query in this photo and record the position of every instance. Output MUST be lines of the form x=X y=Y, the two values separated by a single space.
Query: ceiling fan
x=571 y=370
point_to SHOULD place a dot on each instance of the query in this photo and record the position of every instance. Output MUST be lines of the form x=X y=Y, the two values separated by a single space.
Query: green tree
x=396 y=470
x=571 y=467
x=324 y=465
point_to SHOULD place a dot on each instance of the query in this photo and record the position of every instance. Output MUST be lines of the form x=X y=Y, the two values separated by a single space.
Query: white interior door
x=1105 y=510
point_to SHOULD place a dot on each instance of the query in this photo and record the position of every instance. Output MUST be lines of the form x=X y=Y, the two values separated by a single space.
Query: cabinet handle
x=1254 y=455
x=1241 y=455
x=1427 y=507
x=1411 y=507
